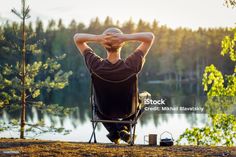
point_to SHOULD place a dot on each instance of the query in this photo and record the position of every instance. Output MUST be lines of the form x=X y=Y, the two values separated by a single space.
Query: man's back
x=120 y=70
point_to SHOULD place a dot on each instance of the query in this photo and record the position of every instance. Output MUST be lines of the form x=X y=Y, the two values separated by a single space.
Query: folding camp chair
x=115 y=100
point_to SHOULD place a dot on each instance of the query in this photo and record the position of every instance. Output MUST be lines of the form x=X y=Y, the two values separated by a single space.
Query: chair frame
x=95 y=120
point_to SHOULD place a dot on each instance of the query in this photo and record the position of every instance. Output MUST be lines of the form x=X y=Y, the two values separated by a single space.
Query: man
x=113 y=67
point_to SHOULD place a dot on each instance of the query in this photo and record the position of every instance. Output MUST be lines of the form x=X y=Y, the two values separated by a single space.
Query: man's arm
x=146 y=39
x=81 y=40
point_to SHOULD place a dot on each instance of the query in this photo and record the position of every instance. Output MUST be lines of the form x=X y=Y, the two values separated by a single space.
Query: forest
x=177 y=54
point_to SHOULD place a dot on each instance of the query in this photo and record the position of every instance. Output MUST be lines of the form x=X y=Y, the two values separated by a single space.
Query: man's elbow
x=76 y=37
x=150 y=37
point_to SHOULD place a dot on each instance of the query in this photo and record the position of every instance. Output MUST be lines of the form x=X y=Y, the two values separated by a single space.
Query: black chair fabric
x=115 y=99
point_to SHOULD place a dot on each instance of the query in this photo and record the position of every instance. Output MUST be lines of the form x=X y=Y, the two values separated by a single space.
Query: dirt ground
x=40 y=148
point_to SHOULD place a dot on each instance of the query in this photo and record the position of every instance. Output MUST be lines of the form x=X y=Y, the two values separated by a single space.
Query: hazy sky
x=173 y=13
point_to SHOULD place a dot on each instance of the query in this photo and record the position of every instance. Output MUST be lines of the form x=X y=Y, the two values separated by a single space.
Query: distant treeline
x=177 y=54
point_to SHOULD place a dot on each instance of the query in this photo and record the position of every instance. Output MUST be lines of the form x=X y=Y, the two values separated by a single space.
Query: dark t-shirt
x=114 y=72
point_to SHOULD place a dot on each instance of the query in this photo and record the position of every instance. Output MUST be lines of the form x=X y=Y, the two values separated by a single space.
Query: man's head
x=112 y=30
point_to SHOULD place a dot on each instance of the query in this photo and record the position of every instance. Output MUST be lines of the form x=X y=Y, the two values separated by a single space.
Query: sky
x=173 y=13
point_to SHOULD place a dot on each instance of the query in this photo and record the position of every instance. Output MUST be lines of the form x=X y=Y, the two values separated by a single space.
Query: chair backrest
x=115 y=99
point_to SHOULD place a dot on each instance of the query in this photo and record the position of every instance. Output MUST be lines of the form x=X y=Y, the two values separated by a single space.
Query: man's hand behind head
x=113 y=41
x=116 y=39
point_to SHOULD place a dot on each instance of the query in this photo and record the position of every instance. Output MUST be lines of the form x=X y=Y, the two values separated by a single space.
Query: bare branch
x=16 y=13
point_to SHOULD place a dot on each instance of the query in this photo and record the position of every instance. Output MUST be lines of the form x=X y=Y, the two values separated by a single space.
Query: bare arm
x=146 y=39
x=81 y=40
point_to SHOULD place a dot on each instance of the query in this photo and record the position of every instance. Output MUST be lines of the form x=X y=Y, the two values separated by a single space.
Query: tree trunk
x=23 y=94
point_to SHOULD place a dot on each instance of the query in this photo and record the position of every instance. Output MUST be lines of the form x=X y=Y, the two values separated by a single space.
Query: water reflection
x=150 y=122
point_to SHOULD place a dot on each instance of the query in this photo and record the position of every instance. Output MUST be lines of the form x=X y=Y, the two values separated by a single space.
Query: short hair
x=112 y=30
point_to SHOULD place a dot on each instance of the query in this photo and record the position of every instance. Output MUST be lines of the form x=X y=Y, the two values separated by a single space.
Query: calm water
x=151 y=121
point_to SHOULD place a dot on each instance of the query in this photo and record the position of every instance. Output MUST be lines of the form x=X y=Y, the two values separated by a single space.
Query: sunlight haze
x=173 y=13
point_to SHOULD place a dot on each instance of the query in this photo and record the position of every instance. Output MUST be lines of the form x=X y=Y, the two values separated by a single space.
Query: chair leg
x=134 y=132
x=93 y=135
x=131 y=135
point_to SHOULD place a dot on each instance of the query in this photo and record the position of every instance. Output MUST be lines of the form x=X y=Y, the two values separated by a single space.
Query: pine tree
x=21 y=83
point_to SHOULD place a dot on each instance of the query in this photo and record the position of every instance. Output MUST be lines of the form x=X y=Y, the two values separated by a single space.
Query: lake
x=185 y=95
